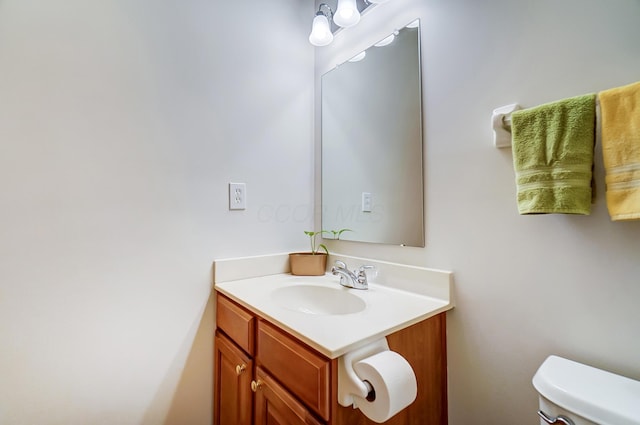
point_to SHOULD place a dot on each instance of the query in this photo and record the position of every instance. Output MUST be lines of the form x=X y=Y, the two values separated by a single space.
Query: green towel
x=553 y=156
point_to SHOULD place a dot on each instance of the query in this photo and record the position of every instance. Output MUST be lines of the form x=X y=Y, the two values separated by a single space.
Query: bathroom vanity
x=276 y=356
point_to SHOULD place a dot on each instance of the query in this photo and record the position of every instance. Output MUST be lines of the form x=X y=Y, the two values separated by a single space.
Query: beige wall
x=121 y=123
x=525 y=286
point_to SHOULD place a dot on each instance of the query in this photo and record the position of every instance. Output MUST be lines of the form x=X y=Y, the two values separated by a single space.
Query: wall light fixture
x=347 y=14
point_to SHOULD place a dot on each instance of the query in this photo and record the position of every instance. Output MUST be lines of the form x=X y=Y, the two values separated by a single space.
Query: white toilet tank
x=575 y=394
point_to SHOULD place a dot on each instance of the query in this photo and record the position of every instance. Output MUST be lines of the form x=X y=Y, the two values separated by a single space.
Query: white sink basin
x=314 y=308
x=318 y=300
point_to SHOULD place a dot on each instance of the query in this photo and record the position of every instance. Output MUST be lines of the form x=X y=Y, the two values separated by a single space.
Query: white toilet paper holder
x=349 y=384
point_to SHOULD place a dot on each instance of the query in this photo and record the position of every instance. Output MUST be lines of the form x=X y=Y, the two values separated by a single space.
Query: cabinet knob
x=256 y=385
x=240 y=368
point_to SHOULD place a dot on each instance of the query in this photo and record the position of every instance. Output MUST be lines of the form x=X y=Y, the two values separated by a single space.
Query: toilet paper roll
x=393 y=381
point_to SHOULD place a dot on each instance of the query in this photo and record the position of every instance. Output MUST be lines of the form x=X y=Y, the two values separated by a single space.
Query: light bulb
x=347 y=14
x=320 y=31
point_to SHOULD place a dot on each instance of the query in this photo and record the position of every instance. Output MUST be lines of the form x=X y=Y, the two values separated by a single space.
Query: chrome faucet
x=355 y=280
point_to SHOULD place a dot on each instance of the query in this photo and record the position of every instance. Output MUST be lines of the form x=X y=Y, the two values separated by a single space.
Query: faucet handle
x=340 y=264
x=362 y=272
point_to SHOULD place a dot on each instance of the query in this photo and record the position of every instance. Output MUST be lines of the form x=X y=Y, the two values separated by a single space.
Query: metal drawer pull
x=560 y=419
x=255 y=386
x=240 y=368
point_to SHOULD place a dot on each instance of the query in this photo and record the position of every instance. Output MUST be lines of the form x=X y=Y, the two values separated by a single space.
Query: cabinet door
x=275 y=406
x=304 y=372
x=232 y=398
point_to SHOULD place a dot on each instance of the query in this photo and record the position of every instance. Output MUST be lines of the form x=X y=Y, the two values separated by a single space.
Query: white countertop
x=387 y=310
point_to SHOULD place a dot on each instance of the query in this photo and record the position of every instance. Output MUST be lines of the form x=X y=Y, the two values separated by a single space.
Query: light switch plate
x=366 y=202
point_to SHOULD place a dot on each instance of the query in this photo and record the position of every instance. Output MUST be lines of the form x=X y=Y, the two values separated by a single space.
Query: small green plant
x=314 y=245
x=337 y=233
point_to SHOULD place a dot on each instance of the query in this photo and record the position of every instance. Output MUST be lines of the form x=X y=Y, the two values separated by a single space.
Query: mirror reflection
x=372 y=176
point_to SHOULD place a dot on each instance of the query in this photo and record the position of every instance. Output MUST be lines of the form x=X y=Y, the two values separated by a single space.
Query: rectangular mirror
x=372 y=156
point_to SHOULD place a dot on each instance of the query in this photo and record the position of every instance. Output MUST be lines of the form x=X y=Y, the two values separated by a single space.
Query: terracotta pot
x=308 y=264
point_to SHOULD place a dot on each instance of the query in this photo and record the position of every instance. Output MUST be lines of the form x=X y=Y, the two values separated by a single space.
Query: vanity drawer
x=308 y=379
x=237 y=322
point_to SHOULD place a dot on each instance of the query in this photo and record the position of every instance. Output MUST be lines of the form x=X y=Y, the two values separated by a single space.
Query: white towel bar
x=501 y=122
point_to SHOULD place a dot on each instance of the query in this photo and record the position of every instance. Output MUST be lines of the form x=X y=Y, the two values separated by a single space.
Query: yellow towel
x=620 y=112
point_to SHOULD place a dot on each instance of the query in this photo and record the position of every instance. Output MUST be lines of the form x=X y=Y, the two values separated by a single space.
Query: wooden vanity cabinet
x=244 y=392
x=263 y=375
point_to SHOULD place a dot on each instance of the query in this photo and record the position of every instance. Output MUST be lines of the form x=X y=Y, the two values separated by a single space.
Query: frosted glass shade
x=347 y=14
x=320 y=31
x=377 y=1
x=358 y=57
x=386 y=41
